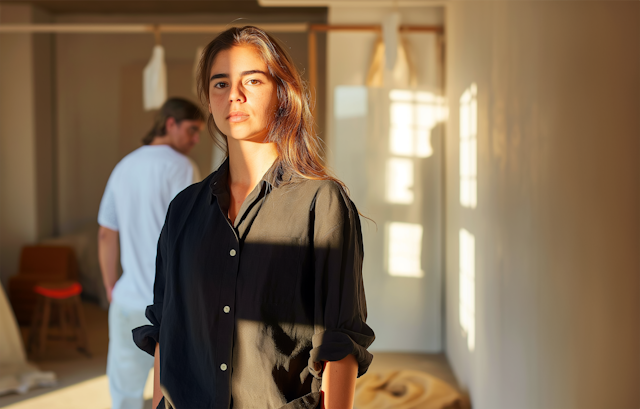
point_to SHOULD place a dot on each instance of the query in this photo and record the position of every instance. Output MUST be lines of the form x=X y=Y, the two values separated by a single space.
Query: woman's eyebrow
x=243 y=73
x=213 y=77
x=252 y=72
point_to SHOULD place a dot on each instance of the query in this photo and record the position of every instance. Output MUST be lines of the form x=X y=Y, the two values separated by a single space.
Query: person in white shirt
x=131 y=215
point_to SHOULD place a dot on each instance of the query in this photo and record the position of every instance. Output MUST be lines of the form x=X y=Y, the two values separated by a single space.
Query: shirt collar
x=219 y=179
x=276 y=176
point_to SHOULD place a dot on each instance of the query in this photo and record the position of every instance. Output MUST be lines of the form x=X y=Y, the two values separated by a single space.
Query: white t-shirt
x=135 y=204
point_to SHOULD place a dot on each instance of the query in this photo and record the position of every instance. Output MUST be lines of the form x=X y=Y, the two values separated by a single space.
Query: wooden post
x=32 y=345
x=44 y=326
x=312 y=66
x=82 y=334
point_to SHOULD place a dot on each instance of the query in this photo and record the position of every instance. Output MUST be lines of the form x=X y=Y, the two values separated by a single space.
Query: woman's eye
x=220 y=85
x=254 y=82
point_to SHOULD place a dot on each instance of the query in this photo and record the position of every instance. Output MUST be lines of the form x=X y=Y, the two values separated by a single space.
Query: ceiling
x=165 y=7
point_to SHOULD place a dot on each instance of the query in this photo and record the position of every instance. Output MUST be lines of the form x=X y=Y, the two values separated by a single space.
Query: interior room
x=492 y=149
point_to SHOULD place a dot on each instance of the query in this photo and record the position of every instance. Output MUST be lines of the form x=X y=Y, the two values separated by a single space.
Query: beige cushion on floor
x=406 y=389
x=16 y=374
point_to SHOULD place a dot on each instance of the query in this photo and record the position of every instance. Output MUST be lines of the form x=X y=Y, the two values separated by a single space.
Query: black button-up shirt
x=246 y=313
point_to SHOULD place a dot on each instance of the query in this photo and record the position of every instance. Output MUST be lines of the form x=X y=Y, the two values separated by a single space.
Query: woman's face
x=242 y=94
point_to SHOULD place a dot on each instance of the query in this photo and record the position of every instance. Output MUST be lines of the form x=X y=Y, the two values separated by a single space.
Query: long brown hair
x=176 y=108
x=293 y=128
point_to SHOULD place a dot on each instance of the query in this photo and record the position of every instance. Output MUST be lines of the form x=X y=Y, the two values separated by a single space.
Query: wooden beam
x=344 y=27
x=144 y=28
x=375 y=28
x=200 y=28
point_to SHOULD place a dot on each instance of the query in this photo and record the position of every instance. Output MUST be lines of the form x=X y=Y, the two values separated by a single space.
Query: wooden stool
x=65 y=296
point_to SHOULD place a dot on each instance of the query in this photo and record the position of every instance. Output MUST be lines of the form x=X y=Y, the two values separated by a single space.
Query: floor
x=82 y=383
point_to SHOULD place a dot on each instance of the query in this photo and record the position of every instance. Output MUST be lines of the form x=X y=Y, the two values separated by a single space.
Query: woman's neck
x=249 y=161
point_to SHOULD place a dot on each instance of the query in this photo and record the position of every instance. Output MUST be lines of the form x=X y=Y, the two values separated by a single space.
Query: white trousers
x=127 y=366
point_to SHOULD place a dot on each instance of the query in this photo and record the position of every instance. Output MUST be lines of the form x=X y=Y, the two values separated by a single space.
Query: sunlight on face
x=242 y=94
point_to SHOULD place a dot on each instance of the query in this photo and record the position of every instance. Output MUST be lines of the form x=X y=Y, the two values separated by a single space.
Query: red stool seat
x=62 y=297
x=59 y=290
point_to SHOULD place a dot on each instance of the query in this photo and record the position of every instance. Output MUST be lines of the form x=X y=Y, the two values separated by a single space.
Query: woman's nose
x=236 y=95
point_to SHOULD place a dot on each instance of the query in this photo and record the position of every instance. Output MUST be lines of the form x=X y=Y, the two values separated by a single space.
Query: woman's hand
x=339 y=383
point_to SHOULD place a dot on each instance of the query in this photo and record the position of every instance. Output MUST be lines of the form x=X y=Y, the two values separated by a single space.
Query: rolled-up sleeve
x=147 y=336
x=340 y=309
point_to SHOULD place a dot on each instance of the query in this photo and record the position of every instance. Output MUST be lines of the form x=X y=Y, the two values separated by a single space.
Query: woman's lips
x=237 y=117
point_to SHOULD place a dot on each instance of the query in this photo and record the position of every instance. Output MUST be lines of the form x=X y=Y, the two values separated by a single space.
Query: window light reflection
x=413 y=115
x=469 y=147
x=399 y=183
x=404 y=249
x=467 y=301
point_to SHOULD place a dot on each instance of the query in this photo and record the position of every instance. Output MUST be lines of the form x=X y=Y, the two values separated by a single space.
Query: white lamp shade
x=154 y=83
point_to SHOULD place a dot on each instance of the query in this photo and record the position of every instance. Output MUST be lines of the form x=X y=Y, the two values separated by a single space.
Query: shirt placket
x=227 y=304
x=224 y=353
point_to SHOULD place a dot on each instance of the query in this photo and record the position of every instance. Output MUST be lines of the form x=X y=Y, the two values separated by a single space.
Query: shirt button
x=226 y=309
x=223 y=367
x=232 y=252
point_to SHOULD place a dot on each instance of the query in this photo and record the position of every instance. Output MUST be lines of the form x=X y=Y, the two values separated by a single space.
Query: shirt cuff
x=147 y=336
x=335 y=344
x=308 y=401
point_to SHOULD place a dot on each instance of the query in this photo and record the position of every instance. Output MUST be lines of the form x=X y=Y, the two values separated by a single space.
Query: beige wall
x=99 y=100
x=556 y=226
x=26 y=138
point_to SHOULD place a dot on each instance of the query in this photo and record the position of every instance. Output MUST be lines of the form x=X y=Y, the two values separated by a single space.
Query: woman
x=258 y=298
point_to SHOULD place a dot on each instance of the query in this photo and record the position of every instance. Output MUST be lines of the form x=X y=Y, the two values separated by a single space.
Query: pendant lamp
x=154 y=82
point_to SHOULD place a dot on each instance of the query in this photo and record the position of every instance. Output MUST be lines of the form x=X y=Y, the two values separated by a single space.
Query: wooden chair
x=39 y=264
x=63 y=298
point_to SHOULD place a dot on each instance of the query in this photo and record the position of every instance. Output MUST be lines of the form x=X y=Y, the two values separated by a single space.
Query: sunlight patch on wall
x=467 y=283
x=469 y=147
x=413 y=115
x=399 y=181
x=404 y=249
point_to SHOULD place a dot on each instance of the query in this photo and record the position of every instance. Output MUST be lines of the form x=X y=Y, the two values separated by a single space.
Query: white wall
x=557 y=300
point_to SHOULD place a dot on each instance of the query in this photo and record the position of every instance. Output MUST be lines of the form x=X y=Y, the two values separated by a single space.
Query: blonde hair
x=292 y=128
